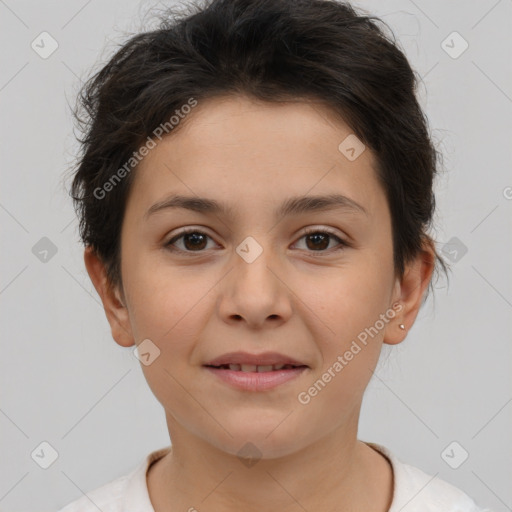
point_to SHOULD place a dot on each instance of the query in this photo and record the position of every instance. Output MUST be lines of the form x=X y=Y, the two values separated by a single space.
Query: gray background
x=65 y=381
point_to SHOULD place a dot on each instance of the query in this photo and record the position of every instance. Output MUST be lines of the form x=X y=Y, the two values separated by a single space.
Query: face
x=249 y=278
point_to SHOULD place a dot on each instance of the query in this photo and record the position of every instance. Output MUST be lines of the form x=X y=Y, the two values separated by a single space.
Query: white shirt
x=413 y=491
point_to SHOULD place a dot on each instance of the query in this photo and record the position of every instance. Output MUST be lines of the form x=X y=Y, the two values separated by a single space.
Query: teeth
x=249 y=367
x=259 y=369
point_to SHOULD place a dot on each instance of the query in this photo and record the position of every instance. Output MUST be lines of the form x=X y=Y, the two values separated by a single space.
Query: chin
x=259 y=438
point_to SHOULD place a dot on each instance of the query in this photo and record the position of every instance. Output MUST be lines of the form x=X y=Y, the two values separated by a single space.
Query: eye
x=192 y=238
x=195 y=241
x=319 y=239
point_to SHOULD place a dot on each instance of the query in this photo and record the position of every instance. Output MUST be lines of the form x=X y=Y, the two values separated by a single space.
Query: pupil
x=195 y=237
x=315 y=237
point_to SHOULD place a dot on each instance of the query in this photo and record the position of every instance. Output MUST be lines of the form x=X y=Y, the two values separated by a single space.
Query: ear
x=114 y=305
x=409 y=293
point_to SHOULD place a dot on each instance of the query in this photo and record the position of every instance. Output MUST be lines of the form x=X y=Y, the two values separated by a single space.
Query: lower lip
x=256 y=381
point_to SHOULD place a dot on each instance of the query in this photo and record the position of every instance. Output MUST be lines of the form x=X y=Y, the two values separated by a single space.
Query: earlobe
x=396 y=331
x=410 y=291
x=114 y=306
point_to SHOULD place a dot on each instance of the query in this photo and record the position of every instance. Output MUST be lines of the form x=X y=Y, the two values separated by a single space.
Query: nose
x=255 y=291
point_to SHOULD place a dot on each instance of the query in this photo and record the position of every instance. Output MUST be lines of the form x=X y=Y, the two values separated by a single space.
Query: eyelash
x=342 y=243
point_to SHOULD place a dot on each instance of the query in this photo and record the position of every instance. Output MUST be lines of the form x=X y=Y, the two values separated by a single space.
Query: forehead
x=258 y=127
x=240 y=150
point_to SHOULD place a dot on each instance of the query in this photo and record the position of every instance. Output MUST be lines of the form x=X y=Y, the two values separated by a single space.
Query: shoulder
x=129 y=491
x=425 y=492
x=107 y=498
x=417 y=491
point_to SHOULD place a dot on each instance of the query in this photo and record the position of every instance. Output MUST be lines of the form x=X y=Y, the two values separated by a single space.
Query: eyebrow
x=292 y=206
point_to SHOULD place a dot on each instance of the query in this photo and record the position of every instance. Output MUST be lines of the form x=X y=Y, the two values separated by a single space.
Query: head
x=256 y=106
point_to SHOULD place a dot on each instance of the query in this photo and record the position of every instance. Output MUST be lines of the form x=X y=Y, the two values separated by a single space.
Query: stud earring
x=402 y=326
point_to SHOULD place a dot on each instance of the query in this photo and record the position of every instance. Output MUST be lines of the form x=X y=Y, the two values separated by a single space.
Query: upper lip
x=263 y=359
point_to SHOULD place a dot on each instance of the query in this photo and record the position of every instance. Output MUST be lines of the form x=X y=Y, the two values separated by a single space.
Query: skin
x=297 y=299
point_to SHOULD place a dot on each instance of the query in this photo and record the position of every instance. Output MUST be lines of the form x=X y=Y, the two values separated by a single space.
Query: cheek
x=164 y=300
x=168 y=307
x=344 y=313
x=345 y=300
x=348 y=332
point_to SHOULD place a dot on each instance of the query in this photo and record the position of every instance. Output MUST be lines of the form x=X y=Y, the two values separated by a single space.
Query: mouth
x=255 y=372
x=253 y=368
x=248 y=362
x=255 y=377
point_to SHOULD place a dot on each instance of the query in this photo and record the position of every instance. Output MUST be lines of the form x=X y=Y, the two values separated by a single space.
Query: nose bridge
x=255 y=259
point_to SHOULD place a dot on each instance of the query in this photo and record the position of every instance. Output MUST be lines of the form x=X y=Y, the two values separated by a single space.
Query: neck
x=336 y=473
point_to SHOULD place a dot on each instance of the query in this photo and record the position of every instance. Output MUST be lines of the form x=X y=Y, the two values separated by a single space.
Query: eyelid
x=343 y=243
x=183 y=232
